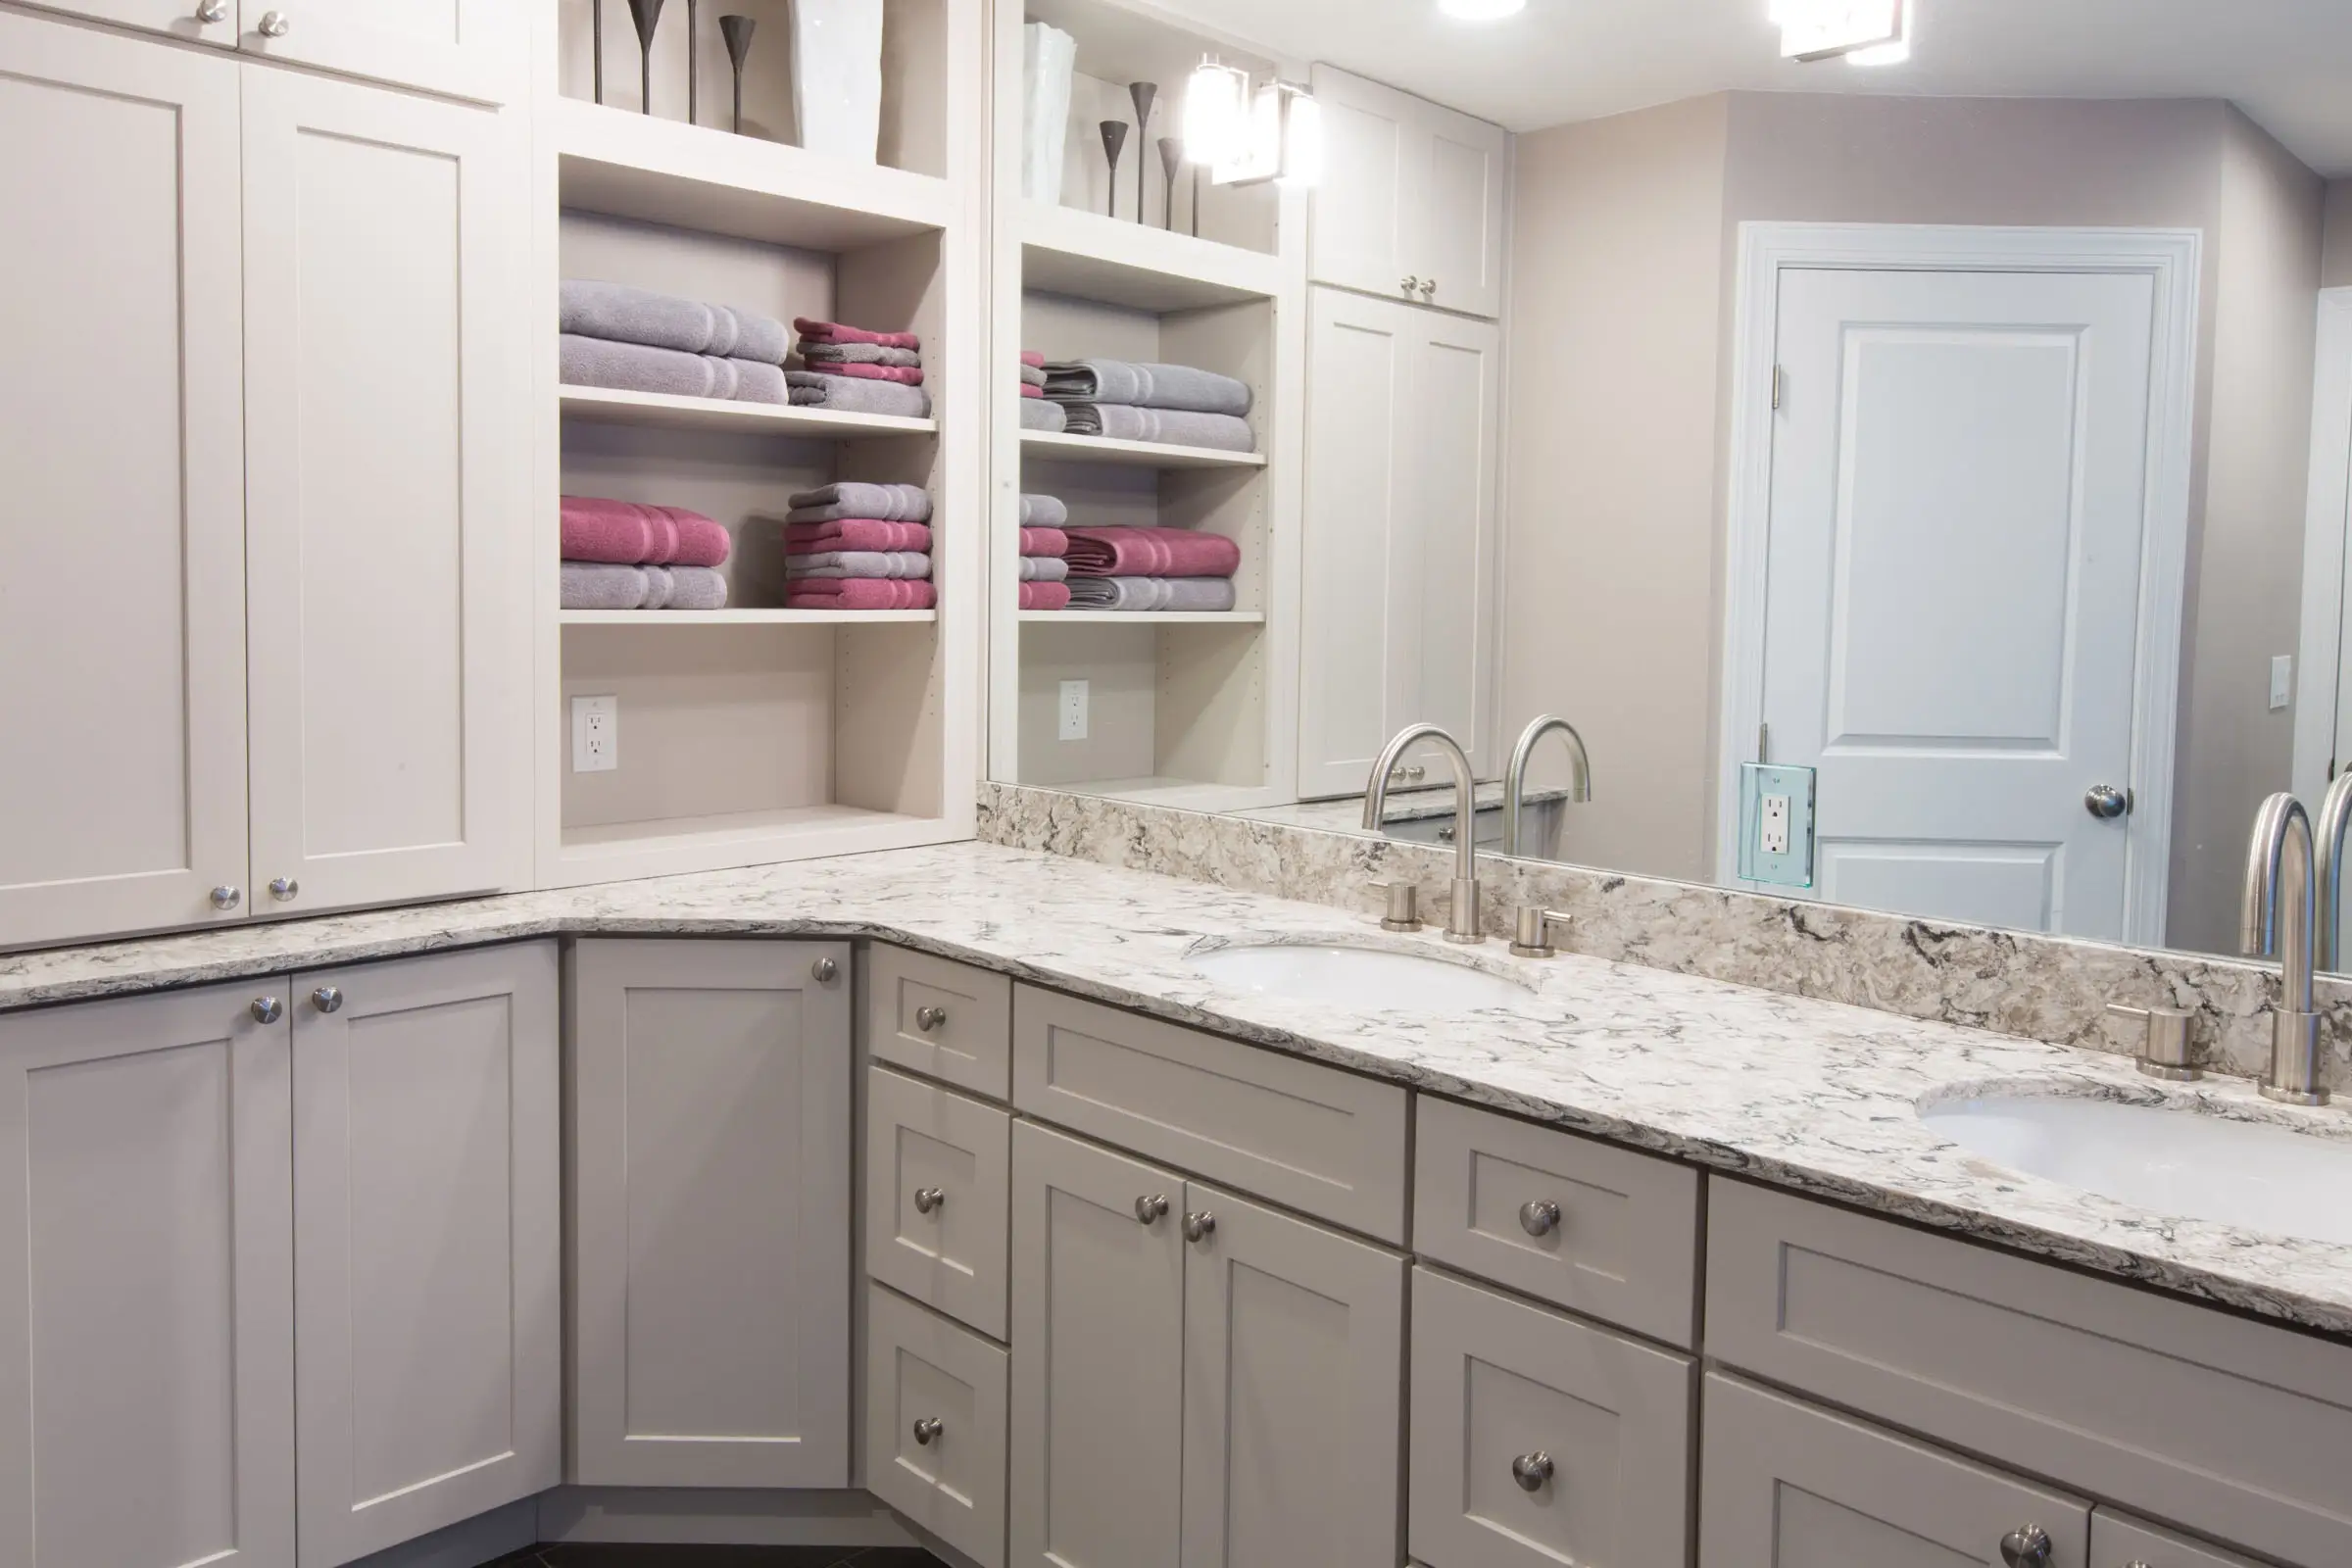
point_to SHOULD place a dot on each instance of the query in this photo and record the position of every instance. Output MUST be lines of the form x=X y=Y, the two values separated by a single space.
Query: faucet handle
x=1533 y=931
x=2164 y=1049
x=1404 y=906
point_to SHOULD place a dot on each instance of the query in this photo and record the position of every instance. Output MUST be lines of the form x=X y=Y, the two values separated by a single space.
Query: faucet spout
x=2276 y=923
x=1461 y=921
x=2335 y=818
x=1514 y=782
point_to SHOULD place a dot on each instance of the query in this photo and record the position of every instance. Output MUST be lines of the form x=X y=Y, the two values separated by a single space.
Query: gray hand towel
x=1039 y=415
x=1042 y=512
x=638 y=368
x=860 y=564
x=1148 y=386
x=626 y=314
x=849 y=394
x=860 y=353
x=1044 y=568
x=696 y=588
x=1147 y=594
x=885 y=503
x=1118 y=421
x=592 y=585
x=1033 y=375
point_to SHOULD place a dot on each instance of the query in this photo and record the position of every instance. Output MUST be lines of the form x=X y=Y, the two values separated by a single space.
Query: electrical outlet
x=2283 y=681
x=594 y=734
x=1771 y=824
x=1073 y=710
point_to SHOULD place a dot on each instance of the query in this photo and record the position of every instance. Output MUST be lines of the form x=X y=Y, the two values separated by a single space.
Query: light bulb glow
x=1824 y=29
x=1480 y=9
x=1302 y=141
x=1216 y=123
x=1889 y=54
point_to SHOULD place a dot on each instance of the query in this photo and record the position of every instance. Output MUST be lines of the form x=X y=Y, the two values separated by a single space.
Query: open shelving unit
x=760 y=733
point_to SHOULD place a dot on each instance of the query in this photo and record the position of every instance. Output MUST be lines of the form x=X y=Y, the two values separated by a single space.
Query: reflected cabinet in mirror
x=1908 y=469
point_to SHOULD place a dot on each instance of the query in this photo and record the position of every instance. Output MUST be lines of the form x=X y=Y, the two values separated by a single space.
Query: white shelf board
x=744 y=617
x=604 y=406
x=1146 y=618
x=1065 y=250
x=1058 y=447
x=694 y=176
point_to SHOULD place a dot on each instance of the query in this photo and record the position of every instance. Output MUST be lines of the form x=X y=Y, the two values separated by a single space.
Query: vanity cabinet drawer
x=935 y=1402
x=1604 y=1230
x=945 y=1021
x=938 y=1180
x=1538 y=1439
x=1314 y=1139
x=2232 y=1429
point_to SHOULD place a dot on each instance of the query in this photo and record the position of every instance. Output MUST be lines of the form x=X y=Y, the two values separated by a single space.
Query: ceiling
x=2287 y=63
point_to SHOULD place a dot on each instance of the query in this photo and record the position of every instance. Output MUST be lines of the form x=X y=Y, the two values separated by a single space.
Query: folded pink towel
x=859 y=593
x=853 y=533
x=1029 y=391
x=1045 y=595
x=1045 y=542
x=1033 y=359
x=1151 y=553
x=629 y=533
x=868 y=373
x=836 y=333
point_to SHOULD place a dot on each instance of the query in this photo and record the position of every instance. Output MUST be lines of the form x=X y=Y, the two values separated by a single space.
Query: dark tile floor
x=600 y=1555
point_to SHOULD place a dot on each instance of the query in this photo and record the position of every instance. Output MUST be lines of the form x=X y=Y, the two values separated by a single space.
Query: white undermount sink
x=2169 y=1159
x=1362 y=977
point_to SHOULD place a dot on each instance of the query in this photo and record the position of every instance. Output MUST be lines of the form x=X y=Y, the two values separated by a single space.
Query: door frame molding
x=2171 y=260
x=2328 y=516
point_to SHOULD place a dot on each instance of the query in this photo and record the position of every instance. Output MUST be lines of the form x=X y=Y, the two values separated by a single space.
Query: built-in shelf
x=1148 y=617
x=659 y=170
x=604 y=406
x=1064 y=448
x=1069 y=251
x=1182 y=793
x=744 y=617
x=725 y=839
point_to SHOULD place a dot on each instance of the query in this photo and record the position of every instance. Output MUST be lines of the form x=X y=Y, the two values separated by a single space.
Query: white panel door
x=427 y=1244
x=1098 y=1356
x=710 y=1213
x=385 y=494
x=146 y=1284
x=122 y=425
x=1453 y=421
x=1294 y=1367
x=1362 y=222
x=466 y=48
x=1460 y=214
x=178 y=18
x=1958 y=499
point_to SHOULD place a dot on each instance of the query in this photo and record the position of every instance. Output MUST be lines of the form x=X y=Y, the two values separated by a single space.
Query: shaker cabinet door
x=475 y=49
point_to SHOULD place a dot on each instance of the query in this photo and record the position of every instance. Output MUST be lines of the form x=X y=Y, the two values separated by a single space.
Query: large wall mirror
x=1917 y=473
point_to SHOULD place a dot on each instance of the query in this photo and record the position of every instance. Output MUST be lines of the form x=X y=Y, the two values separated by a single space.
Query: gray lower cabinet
x=1787 y=1486
x=2118 y=1541
x=935 y=1395
x=710 y=1193
x=938 y=1177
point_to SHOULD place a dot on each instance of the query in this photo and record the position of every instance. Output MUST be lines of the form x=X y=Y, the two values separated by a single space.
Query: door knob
x=823 y=971
x=2027 y=1546
x=927 y=1430
x=267 y=1009
x=225 y=897
x=2106 y=803
x=274 y=24
x=928 y=1199
x=1531 y=1470
x=211 y=11
x=283 y=888
x=1200 y=1225
x=929 y=1018
x=1539 y=1217
x=328 y=999
x=1150 y=1207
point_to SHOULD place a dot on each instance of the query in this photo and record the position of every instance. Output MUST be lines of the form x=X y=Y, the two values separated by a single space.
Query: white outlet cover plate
x=594 y=734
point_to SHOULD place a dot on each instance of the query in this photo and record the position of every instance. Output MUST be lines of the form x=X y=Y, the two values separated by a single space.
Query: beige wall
x=2336 y=263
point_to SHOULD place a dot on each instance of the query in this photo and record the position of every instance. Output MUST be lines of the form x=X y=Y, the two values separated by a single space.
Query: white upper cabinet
x=386 y=486
x=121 y=434
x=1411 y=201
x=466 y=48
x=213 y=21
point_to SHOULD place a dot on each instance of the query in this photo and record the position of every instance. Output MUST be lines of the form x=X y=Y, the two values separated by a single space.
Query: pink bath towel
x=869 y=372
x=1151 y=553
x=1045 y=595
x=1045 y=542
x=1033 y=359
x=836 y=333
x=629 y=533
x=853 y=533
x=859 y=592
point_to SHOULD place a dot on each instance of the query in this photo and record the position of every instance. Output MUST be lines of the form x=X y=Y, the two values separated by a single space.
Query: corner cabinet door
x=477 y=49
x=387 y=619
x=122 y=421
x=146 y=1290
x=710 y=1213
x=1294 y=1369
x=1098 y=1356
x=1787 y=1486
x=427 y=1244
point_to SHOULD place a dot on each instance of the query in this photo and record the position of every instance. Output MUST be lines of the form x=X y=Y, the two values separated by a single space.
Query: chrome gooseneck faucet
x=2276 y=923
x=1514 y=782
x=2335 y=818
x=1461 y=921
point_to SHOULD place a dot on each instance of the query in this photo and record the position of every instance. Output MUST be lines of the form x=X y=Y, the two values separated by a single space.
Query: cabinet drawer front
x=948 y=1478
x=1316 y=1139
x=2232 y=1427
x=1623 y=1244
x=1787 y=1486
x=937 y=1168
x=969 y=1012
x=1496 y=1384
x=2120 y=1541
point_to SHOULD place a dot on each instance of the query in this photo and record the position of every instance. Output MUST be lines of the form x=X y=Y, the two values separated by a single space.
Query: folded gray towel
x=639 y=368
x=860 y=564
x=1033 y=375
x=1119 y=421
x=860 y=353
x=626 y=314
x=1044 y=568
x=1039 y=415
x=596 y=585
x=849 y=394
x=852 y=498
x=1147 y=594
x=1146 y=386
x=1042 y=512
x=696 y=588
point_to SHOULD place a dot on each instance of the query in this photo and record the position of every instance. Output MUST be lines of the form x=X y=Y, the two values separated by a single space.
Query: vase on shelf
x=837 y=77
x=1049 y=61
x=1115 y=141
x=1171 y=158
x=737 y=32
x=1141 y=94
x=596 y=46
x=648 y=16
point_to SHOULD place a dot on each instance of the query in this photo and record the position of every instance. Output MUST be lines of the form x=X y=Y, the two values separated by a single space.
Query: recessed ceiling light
x=1480 y=9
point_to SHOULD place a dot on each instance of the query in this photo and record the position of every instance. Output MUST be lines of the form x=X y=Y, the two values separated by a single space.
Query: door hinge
x=1763 y=743
x=1779 y=377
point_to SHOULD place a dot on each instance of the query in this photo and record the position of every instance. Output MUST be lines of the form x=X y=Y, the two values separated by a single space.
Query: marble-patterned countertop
x=1813 y=1095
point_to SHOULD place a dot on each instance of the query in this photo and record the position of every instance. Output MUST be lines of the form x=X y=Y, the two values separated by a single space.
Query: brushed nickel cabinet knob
x=1409 y=284
x=927 y=1431
x=227 y=898
x=929 y=1018
x=1429 y=288
x=1533 y=1471
x=328 y=999
x=211 y=11
x=2027 y=1546
x=928 y=1199
x=1539 y=1217
x=1200 y=1226
x=274 y=24
x=283 y=888
x=1149 y=1207
x=823 y=971
x=267 y=1009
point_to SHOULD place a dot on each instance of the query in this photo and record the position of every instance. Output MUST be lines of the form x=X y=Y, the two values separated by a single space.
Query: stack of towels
x=1152 y=568
x=855 y=370
x=1174 y=404
x=1038 y=412
x=635 y=340
x=858 y=547
x=619 y=555
x=1044 y=547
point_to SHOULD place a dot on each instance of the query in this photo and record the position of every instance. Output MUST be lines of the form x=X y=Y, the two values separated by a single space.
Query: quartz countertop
x=1812 y=1096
